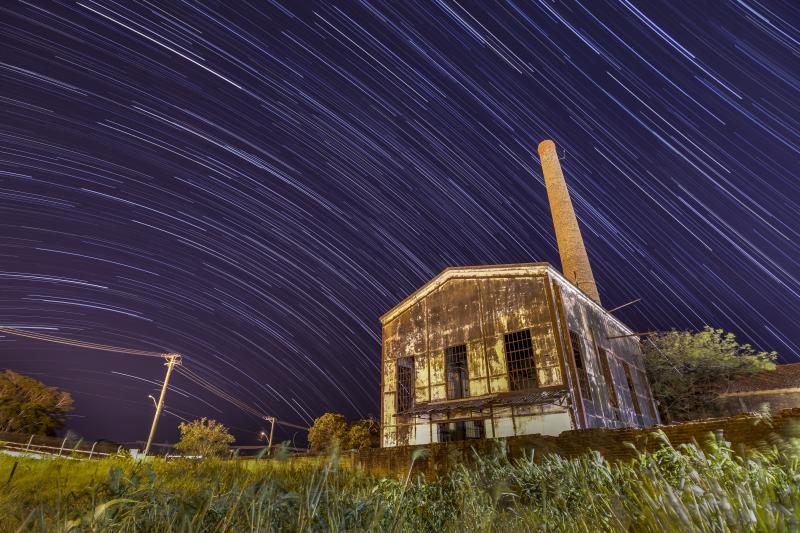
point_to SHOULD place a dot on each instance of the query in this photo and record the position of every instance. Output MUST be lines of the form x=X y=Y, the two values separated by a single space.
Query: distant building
x=777 y=389
x=503 y=350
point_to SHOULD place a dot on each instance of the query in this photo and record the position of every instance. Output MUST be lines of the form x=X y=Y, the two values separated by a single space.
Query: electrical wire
x=190 y=375
x=202 y=382
x=80 y=344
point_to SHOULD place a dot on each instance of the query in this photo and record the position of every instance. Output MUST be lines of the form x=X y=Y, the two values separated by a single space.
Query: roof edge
x=467 y=272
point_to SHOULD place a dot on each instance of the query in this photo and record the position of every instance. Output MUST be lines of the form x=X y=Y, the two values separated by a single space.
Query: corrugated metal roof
x=535 y=397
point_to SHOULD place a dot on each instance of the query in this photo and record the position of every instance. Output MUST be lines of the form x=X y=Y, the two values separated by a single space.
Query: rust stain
x=477 y=312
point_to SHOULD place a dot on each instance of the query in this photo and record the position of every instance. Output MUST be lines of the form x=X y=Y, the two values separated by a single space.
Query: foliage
x=206 y=438
x=29 y=406
x=362 y=434
x=673 y=489
x=688 y=370
x=332 y=429
x=328 y=430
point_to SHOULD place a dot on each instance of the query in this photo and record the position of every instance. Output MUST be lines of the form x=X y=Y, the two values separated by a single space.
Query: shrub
x=206 y=438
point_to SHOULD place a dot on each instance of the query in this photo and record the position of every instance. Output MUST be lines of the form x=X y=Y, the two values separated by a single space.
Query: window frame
x=463 y=430
x=523 y=376
x=637 y=408
x=608 y=377
x=406 y=393
x=456 y=363
x=579 y=358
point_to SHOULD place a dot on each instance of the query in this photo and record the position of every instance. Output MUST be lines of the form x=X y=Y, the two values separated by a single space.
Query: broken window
x=605 y=365
x=455 y=360
x=519 y=359
x=632 y=389
x=405 y=384
x=577 y=353
x=461 y=430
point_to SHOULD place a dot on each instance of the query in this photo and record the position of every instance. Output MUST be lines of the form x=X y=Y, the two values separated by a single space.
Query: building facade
x=503 y=350
x=772 y=390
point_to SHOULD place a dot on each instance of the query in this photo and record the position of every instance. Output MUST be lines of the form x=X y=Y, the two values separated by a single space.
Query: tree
x=688 y=370
x=328 y=429
x=362 y=434
x=206 y=438
x=29 y=406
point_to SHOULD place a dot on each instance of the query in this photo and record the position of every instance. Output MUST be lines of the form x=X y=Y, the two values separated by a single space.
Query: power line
x=192 y=376
x=80 y=344
x=199 y=380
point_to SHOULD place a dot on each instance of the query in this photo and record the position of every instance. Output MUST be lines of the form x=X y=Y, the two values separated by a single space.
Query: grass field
x=681 y=489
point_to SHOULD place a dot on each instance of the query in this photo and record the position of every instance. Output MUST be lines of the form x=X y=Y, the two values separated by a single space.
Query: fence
x=39 y=445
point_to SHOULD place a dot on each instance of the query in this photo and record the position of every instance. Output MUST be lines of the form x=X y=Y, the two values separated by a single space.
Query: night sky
x=252 y=184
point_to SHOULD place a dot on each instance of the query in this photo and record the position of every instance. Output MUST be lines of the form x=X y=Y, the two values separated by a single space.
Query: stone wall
x=743 y=431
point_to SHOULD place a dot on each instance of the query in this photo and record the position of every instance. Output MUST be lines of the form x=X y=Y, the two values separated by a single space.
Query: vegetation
x=29 y=406
x=688 y=370
x=328 y=429
x=332 y=429
x=673 y=489
x=204 y=438
x=362 y=434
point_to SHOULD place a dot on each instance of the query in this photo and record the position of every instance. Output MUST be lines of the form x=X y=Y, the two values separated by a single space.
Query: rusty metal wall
x=476 y=312
x=594 y=325
x=477 y=309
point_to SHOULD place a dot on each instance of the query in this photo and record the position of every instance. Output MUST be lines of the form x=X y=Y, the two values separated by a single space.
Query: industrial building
x=772 y=390
x=504 y=350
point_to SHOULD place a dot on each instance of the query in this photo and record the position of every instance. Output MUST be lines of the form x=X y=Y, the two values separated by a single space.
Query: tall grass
x=674 y=489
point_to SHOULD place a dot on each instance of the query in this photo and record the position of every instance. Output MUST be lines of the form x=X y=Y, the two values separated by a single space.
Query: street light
x=155 y=404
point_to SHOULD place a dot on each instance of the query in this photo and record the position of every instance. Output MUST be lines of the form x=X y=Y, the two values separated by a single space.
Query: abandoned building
x=771 y=389
x=504 y=350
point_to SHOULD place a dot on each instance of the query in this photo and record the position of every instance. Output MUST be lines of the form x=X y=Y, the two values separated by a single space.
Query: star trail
x=251 y=184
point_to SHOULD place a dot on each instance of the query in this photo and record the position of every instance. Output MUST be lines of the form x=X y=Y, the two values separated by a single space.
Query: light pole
x=271 y=420
x=172 y=360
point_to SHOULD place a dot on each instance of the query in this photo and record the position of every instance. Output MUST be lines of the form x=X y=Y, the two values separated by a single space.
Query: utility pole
x=271 y=420
x=172 y=360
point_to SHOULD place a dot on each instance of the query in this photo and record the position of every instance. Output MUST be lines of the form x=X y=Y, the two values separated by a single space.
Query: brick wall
x=743 y=431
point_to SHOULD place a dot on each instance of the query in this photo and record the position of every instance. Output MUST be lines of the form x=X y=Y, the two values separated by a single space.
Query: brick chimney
x=574 y=261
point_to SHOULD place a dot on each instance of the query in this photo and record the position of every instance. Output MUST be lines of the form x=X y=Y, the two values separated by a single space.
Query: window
x=577 y=352
x=455 y=361
x=645 y=385
x=405 y=384
x=519 y=358
x=608 y=378
x=632 y=389
x=461 y=430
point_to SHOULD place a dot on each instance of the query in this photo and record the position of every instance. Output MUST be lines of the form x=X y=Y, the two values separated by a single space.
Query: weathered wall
x=594 y=326
x=476 y=312
x=747 y=402
x=745 y=432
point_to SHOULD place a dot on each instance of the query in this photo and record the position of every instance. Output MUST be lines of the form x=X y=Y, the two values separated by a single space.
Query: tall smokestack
x=574 y=261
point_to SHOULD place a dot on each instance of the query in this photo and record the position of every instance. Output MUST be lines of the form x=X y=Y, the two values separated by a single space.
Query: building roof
x=488 y=271
x=536 y=397
x=783 y=377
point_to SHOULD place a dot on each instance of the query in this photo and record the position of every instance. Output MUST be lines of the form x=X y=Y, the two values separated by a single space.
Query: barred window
x=405 y=384
x=577 y=352
x=461 y=430
x=609 y=379
x=455 y=361
x=519 y=358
